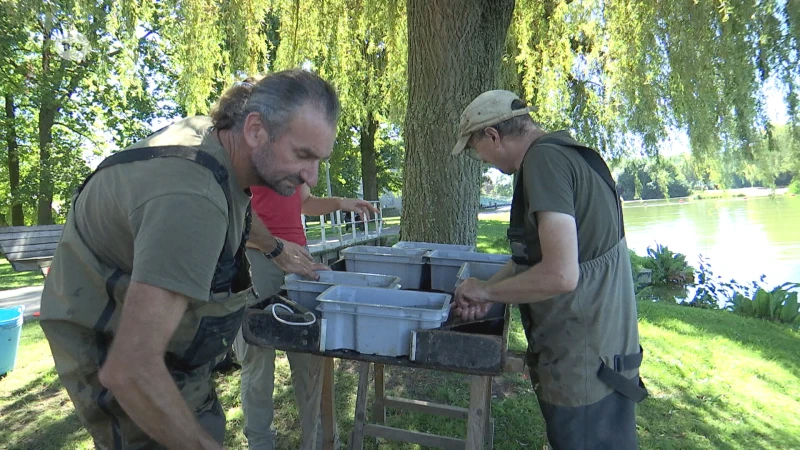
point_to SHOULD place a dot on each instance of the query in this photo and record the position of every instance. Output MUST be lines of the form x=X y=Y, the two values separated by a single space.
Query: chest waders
x=583 y=346
x=80 y=343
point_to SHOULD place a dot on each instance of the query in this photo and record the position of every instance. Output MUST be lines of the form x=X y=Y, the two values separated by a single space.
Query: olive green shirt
x=164 y=221
x=558 y=179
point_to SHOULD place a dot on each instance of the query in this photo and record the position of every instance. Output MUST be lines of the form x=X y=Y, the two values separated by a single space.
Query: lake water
x=741 y=238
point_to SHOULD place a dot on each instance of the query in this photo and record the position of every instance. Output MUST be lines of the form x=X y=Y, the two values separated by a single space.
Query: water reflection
x=741 y=239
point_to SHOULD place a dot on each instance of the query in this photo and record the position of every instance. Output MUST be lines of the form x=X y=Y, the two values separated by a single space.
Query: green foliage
x=779 y=304
x=631 y=69
x=669 y=268
x=652 y=178
x=794 y=188
x=78 y=79
x=360 y=46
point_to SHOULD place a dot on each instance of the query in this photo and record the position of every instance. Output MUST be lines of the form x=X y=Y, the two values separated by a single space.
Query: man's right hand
x=295 y=259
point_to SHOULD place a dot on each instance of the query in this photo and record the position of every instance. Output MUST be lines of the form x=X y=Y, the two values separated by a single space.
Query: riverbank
x=714 y=194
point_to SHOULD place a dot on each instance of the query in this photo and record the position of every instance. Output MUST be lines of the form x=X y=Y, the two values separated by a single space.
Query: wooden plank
x=39 y=254
x=260 y=328
x=24 y=249
x=5 y=243
x=25 y=266
x=515 y=362
x=415 y=437
x=490 y=433
x=50 y=235
x=379 y=404
x=438 y=409
x=328 y=406
x=445 y=349
x=480 y=394
x=360 y=417
x=19 y=229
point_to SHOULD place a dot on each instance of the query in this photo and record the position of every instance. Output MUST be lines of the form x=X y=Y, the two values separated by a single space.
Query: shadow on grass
x=700 y=421
x=775 y=342
x=41 y=417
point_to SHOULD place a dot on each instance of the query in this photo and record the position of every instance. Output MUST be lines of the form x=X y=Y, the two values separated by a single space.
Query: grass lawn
x=717 y=381
x=9 y=279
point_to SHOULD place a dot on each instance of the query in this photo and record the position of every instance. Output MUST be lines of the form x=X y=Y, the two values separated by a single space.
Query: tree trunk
x=17 y=214
x=454 y=53
x=45 y=199
x=369 y=166
x=47 y=115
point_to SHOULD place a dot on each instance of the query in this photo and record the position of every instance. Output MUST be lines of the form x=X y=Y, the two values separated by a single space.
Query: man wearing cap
x=570 y=275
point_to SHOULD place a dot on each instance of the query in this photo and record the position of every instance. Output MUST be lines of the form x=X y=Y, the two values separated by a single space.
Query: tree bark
x=455 y=48
x=369 y=166
x=47 y=116
x=17 y=214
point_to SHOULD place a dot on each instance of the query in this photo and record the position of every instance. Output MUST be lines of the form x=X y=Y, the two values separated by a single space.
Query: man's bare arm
x=260 y=237
x=293 y=259
x=319 y=206
x=556 y=274
x=137 y=376
x=506 y=272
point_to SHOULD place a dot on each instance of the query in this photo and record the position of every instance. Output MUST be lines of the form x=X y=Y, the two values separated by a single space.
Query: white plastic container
x=481 y=271
x=407 y=264
x=446 y=264
x=378 y=321
x=305 y=292
x=430 y=246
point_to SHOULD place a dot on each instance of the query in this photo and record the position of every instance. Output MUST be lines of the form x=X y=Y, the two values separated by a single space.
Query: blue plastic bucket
x=10 y=330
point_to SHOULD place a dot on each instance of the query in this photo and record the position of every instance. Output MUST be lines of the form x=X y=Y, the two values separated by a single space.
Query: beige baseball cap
x=489 y=108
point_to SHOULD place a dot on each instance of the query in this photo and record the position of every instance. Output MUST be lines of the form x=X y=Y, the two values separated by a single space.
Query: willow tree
x=454 y=53
x=358 y=45
x=78 y=72
x=625 y=73
x=66 y=64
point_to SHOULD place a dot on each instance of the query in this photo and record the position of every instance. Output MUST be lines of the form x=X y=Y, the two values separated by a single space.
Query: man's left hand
x=362 y=207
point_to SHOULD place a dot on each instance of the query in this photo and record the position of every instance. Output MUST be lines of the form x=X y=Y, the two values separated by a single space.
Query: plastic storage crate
x=407 y=264
x=305 y=292
x=433 y=246
x=446 y=264
x=378 y=321
x=481 y=271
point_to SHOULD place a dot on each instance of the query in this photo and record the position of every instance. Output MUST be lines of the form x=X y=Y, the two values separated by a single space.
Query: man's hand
x=471 y=300
x=296 y=259
x=362 y=207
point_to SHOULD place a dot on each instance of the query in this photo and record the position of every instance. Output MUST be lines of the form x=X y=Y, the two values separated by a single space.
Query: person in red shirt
x=282 y=216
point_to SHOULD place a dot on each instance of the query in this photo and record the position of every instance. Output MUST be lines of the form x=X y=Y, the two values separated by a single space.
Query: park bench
x=30 y=249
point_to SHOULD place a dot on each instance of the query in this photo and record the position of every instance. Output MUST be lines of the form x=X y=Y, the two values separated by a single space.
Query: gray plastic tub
x=433 y=246
x=305 y=292
x=446 y=264
x=407 y=264
x=481 y=271
x=378 y=321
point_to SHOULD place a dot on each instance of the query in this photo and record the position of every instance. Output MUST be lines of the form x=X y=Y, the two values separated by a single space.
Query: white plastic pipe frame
x=338 y=224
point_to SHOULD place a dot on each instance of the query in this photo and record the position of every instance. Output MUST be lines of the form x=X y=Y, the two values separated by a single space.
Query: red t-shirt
x=280 y=214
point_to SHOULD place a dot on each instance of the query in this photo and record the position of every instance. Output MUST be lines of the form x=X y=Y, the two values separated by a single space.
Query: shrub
x=669 y=268
x=794 y=187
x=779 y=304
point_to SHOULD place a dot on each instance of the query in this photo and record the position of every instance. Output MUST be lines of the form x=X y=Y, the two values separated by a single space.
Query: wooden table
x=440 y=349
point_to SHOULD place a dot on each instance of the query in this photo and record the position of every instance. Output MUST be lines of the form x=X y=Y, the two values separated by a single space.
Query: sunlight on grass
x=10 y=279
x=716 y=379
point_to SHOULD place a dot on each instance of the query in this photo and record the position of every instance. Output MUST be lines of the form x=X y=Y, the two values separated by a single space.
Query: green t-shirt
x=164 y=221
x=558 y=179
